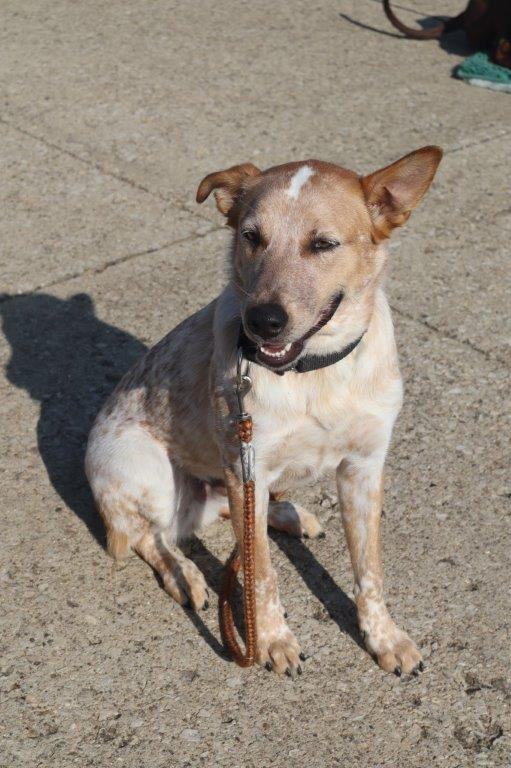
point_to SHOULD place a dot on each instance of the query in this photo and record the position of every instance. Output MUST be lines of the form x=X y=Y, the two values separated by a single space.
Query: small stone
x=447 y=561
x=473 y=683
x=189 y=675
x=49 y=729
x=107 y=733
x=108 y=714
x=321 y=614
x=190 y=734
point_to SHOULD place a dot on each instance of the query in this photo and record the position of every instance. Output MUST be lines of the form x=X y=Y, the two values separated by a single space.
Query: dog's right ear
x=228 y=185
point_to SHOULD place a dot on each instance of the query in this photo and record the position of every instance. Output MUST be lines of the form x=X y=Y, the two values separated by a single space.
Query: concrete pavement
x=110 y=116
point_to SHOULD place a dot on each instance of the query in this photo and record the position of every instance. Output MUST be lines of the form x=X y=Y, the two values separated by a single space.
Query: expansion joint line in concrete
x=478 y=142
x=101 y=169
x=103 y=267
x=126 y=180
x=489 y=356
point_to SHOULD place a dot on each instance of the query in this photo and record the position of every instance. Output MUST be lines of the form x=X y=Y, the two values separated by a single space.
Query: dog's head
x=307 y=249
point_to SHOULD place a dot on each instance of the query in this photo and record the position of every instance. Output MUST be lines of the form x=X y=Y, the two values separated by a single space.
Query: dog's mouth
x=277 y=355
x=284 y=355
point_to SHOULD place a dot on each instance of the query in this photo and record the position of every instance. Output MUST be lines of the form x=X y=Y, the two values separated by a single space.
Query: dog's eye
x=323 y=244
x=252 y=236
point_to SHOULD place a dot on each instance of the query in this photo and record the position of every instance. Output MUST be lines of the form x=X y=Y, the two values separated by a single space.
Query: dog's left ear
x=393 y=192
x=228 y=186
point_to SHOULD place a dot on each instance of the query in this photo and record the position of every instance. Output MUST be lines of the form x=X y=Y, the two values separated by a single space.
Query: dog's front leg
x=277 y=647
x=360 y=485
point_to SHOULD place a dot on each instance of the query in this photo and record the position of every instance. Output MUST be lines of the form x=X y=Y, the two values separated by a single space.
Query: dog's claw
x=206 y=605
x=269 y=666
x=321 y=535
x=397 y=671
x=421 y=666
x=302 y=656
x=293 y=671
x=299 y=670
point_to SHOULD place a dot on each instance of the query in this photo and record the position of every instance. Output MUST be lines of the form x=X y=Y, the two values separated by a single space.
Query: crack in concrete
x=446 y=334
x=177 y=205
x=479 y=142
x=490 y=357
x=106 y=265
x=174 y=203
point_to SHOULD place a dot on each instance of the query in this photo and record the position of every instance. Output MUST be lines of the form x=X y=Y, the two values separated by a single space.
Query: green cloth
x=479 y=70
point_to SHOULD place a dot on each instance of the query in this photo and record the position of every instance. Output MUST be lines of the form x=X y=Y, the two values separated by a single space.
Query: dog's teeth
x=281 y=353
x=288 y=347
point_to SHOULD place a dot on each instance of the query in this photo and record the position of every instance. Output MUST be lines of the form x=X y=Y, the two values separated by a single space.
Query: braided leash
x=232 y=567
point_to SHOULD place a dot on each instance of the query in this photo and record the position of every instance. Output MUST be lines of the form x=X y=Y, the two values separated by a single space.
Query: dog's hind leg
x=292 y=518
x=196 y=504
x=180 y=576
x=149 y=504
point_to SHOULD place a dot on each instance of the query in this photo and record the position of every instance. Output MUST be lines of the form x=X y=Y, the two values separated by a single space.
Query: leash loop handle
x=244 y=658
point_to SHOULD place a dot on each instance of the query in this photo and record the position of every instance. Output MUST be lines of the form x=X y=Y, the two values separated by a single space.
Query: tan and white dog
x=304 y=300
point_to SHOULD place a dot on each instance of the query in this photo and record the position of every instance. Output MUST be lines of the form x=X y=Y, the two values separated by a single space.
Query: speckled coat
x=162 y=457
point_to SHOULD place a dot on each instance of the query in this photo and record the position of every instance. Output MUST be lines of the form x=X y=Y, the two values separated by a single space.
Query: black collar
x=304 y=364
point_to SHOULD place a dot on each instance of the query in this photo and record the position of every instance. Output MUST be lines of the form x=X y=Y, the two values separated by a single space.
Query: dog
x=305 y=303
x=487 y=24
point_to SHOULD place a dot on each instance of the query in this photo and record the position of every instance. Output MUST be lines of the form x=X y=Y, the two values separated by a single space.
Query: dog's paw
x=294 y=520
x=394 y=650
x=186 y=584
x=278 y=650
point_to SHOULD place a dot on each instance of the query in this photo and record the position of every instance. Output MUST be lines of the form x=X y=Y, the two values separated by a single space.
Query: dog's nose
x=266 y=320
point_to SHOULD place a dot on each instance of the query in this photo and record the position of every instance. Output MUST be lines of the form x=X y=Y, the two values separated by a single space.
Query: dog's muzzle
x=280 y=357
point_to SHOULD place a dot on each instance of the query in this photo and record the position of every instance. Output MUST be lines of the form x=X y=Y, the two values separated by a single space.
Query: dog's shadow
x=338 y=606
x=68 y=360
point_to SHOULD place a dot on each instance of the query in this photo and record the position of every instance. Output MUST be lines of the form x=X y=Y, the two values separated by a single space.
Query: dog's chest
x=303 y=428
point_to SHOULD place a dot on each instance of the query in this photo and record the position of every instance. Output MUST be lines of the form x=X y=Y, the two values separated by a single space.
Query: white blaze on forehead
x=300 y=178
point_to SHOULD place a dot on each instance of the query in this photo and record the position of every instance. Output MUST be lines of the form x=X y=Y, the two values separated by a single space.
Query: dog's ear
x=228 y=185
x=393 y=192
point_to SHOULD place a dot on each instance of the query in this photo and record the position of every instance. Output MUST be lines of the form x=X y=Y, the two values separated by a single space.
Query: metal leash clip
x=243 y=382
x=242 y=387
